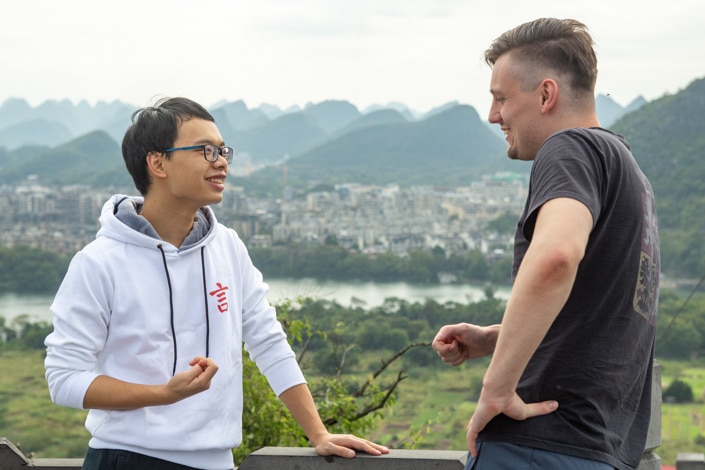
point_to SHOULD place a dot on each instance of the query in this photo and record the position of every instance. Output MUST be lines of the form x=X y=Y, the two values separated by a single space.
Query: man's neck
x=172 y=224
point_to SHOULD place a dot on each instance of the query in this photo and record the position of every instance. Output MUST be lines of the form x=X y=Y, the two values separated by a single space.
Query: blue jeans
x=115 y=459
x=504 y=456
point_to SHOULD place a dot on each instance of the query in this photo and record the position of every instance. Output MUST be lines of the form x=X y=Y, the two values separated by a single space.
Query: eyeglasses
x=210 y=152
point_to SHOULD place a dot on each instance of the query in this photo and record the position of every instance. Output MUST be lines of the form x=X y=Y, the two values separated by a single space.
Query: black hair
x=155 y=129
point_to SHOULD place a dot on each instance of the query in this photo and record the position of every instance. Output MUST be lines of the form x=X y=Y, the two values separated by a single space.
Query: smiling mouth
x=216 y=180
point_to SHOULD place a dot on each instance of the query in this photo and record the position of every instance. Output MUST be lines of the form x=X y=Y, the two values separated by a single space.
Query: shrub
x=678 y=392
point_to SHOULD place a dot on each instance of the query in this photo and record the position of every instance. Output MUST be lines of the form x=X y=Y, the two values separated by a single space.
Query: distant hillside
x=93 y=159
x=273 y=141
x=449 y=148
x=57 y=122
x=331 y=116
x=239 y=115
x=667 y=137
x=378 y=117
x=34 y=132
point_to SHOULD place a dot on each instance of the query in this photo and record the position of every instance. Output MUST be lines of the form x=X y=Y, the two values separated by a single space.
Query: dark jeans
x=112 y=459
x=504 y=456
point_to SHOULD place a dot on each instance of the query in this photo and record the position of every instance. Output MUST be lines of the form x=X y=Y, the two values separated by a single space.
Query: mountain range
x=333 y=142
x=377 y=144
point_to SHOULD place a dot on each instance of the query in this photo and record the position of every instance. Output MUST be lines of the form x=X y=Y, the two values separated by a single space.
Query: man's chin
x=512 y=155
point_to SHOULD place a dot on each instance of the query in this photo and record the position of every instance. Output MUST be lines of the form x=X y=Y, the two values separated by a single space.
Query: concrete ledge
x=690 y=461
x=653 y=438
x=297 y=458
x=10 y=456
x=57 y=464
x=650 y=461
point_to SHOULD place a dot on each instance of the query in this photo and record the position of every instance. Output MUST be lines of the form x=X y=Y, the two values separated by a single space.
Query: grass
x=441 y=396
x=434 y=402
x=28 y=418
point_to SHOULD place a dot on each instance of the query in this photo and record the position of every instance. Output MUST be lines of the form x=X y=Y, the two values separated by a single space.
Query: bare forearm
x=300 y=403
x=492 y=336
x=112 y=394
x=107 y=393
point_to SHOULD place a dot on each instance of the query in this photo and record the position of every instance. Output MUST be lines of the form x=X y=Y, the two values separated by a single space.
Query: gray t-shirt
x=596 y=359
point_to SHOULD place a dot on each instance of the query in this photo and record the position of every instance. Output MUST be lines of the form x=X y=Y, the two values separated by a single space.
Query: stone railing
x=277 y=458
x=291 y=458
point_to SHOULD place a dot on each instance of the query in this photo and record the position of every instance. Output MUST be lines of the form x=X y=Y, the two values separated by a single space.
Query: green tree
x=387 y=267
x=420 y=267
x=476 y=266
x=21 y=333
x=680 y=327
x=345 y=406
x=501 y=271
x=31 y=270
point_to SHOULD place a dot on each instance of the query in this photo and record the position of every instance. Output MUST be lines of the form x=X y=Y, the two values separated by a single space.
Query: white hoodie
x=136 y=308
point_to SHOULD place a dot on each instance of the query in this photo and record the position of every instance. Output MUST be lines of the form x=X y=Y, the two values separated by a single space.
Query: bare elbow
x=562 y=261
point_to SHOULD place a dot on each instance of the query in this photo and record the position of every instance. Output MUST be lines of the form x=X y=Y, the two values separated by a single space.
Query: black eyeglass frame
x=227 y=152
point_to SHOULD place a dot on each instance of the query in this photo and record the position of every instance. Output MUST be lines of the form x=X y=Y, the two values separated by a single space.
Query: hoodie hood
x=120 y=219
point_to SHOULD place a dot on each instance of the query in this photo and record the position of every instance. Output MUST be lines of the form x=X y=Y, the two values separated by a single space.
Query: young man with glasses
x=150 y=318
x=569 y=382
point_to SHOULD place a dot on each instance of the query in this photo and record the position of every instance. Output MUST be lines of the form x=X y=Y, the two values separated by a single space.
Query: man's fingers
x=542 y=408
x=344 y=445
x=472 y=441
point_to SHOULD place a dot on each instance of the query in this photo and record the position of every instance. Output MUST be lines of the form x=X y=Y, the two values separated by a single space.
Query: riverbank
x=363 y=294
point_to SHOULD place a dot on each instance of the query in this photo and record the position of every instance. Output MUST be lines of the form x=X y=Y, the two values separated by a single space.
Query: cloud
x=420 y=52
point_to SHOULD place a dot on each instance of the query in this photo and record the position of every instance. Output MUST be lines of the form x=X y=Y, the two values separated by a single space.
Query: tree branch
x=361 y=391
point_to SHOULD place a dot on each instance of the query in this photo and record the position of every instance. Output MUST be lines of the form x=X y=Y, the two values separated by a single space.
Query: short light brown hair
x=562 y=46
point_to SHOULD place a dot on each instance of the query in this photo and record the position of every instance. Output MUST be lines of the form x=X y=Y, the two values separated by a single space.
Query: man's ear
x=549 y=94
x=155 y=164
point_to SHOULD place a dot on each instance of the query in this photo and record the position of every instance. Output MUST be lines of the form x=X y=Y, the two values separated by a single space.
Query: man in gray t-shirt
x=569 y=383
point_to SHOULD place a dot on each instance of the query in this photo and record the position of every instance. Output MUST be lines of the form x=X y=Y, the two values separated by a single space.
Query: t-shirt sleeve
x=565 y=167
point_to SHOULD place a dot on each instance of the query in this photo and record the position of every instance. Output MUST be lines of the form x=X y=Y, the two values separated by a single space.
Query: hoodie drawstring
x=205 y=298
x=171 y=303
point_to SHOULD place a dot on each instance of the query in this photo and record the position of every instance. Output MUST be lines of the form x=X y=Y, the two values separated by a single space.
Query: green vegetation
x=30 y=270
x=333 y=262
x=389 y=387
x=28 y=417
x=91 y=159
x=682 y=421
x=680 y=328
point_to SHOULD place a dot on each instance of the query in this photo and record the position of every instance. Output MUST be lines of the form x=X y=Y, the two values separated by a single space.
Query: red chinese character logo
x=220 y=293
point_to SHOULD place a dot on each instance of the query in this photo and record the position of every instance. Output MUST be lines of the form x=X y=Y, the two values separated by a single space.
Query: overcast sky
x=423 y=53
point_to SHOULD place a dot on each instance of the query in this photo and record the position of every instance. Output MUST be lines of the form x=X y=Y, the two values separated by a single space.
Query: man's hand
x=512 y=406
x=195 y=380
x=457 y=343
x=344 y=445
x=108 y=393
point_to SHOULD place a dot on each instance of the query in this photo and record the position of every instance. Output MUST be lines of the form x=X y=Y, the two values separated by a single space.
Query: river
x=372 y=294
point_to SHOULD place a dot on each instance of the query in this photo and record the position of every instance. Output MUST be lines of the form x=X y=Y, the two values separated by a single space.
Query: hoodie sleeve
x=81 y=314
x=264 y=337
